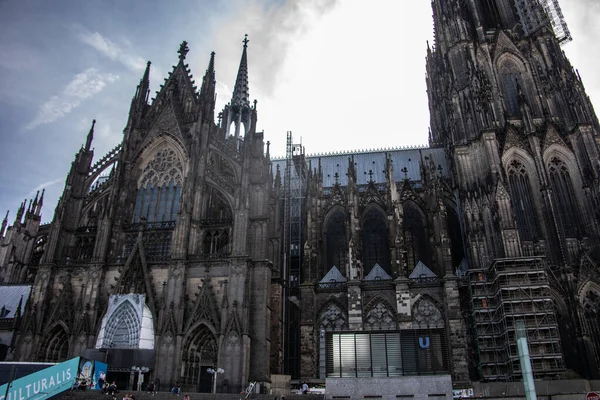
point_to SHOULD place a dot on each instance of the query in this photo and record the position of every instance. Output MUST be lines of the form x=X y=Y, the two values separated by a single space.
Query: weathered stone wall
x=414 y=387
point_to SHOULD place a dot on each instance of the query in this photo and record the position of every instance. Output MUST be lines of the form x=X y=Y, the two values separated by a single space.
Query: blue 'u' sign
x=424 y=342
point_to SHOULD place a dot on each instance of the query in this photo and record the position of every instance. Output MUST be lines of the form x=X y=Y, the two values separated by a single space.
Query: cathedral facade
x=187 y=247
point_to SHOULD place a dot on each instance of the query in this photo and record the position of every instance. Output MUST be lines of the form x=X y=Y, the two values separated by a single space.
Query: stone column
x=403 y=306
x=355 y=322
x=308 y=344
x=456 y=330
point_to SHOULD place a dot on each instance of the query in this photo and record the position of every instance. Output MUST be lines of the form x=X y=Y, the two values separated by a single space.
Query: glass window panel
x=162 y=204
x=138 y=205
x=334 y=364
x=424 y=352
x=363 y=355
x=394 y=358
x=378 y=355
x=169 y=209
x=176 y=203
x=510 y=90
x=348 y=356
x=438 y=352
x=145 y=204
x=408 y=341
x=152 y=205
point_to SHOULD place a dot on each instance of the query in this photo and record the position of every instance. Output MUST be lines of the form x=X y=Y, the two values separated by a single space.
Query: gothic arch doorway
x=123 y=329
x=56 y=346
x=199 y=354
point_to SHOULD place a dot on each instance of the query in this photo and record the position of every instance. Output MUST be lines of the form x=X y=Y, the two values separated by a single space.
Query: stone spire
x=4 y=224
x=207 y=91
x=90 y=137
x=38 y=209
x=241 y=94
x=20 y=212
x=141 y=95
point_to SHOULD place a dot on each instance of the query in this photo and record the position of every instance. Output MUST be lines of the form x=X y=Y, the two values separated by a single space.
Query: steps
x=96 y=395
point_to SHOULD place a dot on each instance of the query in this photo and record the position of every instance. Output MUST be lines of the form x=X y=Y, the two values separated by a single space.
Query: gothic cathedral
x=188 y=247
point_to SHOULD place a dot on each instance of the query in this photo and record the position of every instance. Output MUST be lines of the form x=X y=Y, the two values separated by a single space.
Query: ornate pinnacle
x=183 y=50
x=246 y=40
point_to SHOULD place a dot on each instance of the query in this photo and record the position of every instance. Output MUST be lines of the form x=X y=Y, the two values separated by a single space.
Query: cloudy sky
x=340 y=74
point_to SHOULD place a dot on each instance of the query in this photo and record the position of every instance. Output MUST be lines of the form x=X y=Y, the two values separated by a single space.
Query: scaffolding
x=557 y=20
x=294 y=197
x=512 y=290
x=533 y=14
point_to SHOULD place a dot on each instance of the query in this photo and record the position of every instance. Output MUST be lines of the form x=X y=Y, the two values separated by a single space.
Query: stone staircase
x=96 y=395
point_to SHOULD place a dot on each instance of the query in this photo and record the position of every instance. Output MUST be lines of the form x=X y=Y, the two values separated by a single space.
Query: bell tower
x=521 y=137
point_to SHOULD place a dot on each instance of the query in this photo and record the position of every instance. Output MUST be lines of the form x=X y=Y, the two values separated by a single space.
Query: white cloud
x=337 y=74
x=44 y=185
x=110 y=49
x=82 y=86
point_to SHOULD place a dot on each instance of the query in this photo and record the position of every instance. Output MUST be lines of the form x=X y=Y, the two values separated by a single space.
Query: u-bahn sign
x=592 y=396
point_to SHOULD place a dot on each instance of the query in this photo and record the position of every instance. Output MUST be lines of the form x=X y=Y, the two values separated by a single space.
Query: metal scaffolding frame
x=515 y=289
x=294 y=197
x=557 y=20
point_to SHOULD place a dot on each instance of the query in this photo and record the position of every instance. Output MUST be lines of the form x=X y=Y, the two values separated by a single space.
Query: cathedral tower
x=522 y=139
x=160 y=253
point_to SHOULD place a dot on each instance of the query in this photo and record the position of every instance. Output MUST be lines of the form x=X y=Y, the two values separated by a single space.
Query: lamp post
x=140 y=371
x=214 y=373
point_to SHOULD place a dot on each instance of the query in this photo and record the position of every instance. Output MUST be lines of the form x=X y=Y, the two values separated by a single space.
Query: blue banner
x=99 y=375
x=43 y=384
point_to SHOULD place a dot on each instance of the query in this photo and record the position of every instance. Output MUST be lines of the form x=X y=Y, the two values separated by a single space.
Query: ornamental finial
x=183 y=50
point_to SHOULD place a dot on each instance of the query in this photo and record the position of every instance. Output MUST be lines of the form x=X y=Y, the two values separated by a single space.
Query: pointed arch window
x=512 y=86
x=336 y=243
x=490 y=15
x=218 y=223
x=522 y=201
x=159 y=188
x=564 y=197
x=375 y=241
x=379 y=317
x=199 y=353
x=415 y=238
x=56 y=346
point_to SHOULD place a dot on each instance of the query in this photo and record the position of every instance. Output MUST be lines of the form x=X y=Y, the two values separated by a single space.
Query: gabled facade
x=181 y=214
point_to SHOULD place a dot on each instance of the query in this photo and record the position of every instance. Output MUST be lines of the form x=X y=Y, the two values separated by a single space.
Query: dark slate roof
x=10 y=295
x=366 y=161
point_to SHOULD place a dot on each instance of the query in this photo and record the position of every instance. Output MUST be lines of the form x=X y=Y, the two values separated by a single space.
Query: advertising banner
x=99 y=375
x=42 y=384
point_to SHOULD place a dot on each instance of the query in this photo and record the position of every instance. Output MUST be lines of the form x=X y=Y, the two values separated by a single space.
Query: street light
x=140 y=371
x=214 y=373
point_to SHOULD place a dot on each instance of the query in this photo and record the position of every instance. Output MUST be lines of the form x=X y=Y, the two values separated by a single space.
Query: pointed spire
x=207 y=91
x=241 y=95
x=4 y=224
x=19 y=310
x=146 y=77
x=90 y=137
x=38 y=210
x=20 y=212
x=35 y=201
x=143 y=89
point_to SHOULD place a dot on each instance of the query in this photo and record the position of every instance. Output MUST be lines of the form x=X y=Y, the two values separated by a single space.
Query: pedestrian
x=101 y=380
x=176 y=389
x=151 y=388
x=304 y=388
